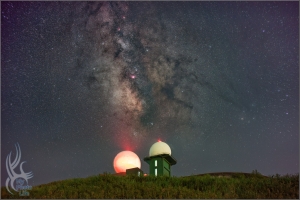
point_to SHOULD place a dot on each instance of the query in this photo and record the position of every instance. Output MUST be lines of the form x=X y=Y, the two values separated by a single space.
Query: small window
x=155 y=163
x=139 y=173
x=155 y=172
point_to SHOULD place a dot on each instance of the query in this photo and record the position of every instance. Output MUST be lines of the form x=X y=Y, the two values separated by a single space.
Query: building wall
x=161 y=168
x=166 y=168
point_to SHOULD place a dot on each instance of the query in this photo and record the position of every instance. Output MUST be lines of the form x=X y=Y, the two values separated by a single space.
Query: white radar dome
x=159 y=148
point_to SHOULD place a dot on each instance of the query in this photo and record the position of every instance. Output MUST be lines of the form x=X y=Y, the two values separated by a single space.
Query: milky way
x=217 y=81
x=134 y=64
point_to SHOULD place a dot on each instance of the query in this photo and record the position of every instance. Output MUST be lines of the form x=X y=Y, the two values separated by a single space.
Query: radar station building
x=160 y=159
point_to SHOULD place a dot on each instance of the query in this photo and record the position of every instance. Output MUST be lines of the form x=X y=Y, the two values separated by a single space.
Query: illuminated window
x=155 y=163
x=139 y=173
x=155 y=172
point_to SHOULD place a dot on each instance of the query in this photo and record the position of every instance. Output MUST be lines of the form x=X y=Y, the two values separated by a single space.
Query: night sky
x=217 y=81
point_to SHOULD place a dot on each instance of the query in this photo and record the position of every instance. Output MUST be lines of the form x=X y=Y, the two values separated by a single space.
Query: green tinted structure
x=135 y=171
x=160 y=165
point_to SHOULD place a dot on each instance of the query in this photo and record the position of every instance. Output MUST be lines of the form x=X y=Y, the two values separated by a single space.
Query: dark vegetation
x=108 y=186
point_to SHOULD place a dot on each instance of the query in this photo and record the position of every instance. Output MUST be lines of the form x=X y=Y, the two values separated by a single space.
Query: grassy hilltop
x=129 y=187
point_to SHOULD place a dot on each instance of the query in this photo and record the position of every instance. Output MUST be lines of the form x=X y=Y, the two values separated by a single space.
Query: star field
x=217 y=81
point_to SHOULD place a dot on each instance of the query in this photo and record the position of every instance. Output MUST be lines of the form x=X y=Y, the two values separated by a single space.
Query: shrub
x=110 y=186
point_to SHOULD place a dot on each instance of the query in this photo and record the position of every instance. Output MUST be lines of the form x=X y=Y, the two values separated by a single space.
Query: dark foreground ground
x=205 y=186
